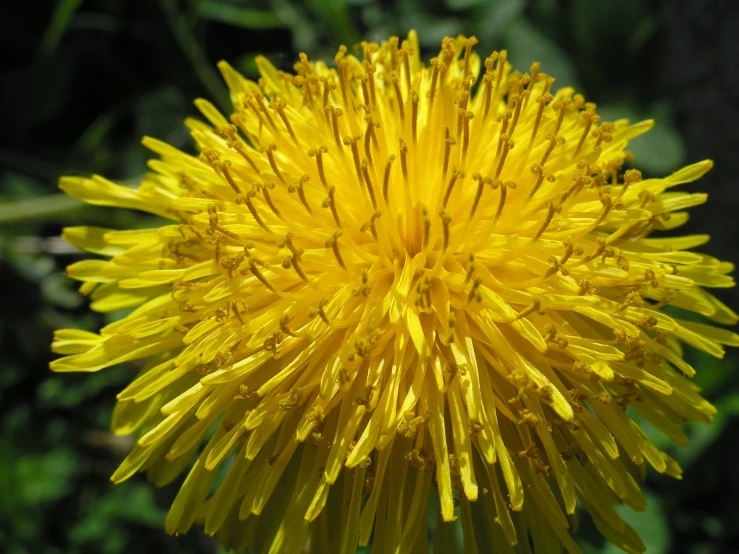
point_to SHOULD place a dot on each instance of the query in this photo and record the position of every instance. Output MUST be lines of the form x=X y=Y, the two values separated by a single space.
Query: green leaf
x=48 y=477
x=47 y=207
x=65 y=10
x=703 y=436
x=595 y=25
x=239 y=16
x=651 y=525
x=129 y=503
x=59 y=290
x=57 y=391
x=336 y=19
x=526 y=45
x=493 y=18
x=304 y=35
x=193 y=51
x=460 y=5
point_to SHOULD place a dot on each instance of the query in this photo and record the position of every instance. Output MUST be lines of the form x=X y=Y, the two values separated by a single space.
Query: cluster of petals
x=387 y=289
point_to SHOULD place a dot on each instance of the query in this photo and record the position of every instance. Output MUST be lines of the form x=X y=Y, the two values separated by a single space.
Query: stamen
x=455 y=176
x=538 y=170
x=488 y=82
x=287 y=240
x=393 y=44
x=335 y=114
x=448 y=53
x=302 y=82
x=328 y=86
x=284 y=321
x=265 y=190
x=501 y=67
x=426 y=226
x=322 y=310
x=556 y=267
x=553 y=141
x=398 y=97
x=474 y=293
x=503 y=188
x=560 y=107
x=318 y=154
x=404 y=160
x=517 y=103
x=245 y=199
x=468 y=44
x=241 y=149
x=466 y=136
x=258 y=274
x=301 y=192
x=448 y=143
x=646 y=197
x=570 y=249
x=229 y=132
x=213 y=158
x=434 y=79
x=233 y=306
x=589 y=118
x=386 y=179
x=535 y=307
x=303 y=67
x=414 y=116
x=603 y=133
x=294 y=259
x=227 y=174
x=503 y=120
x=368 y=182
x=330 y=202
x=601 y=242
x=461 y=103
x=260 y=103
x=269 y=151
x=254 y=108
x=578 y=182
x=370 y=69
x=631 y=176
x=362 y=289
x=507 y=146
x=232 y=264
x=217 y=248
x=446 y=220
x=586 y=287
x=553 y=208
x=369 y=135
x=364 y=80
x=470 y=268
x=481 y=182
x=333 y=243
x=535 y=67
x=423 y=293
x=352 y=142
x=341 y=64
x=405 y=54
x=607 y=202
x=543 y=100
x=280 y=107
x=371 y=224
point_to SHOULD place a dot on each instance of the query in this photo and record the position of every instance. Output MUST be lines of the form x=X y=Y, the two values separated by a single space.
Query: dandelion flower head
x=388 y=289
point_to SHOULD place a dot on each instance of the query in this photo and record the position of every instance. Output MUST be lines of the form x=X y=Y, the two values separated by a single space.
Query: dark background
x=82 y=81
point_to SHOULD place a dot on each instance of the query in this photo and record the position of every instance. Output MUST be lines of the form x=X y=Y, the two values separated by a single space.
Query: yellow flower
x=386 y=282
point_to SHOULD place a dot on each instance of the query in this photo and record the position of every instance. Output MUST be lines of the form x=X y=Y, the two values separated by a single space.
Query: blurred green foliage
x=86 y=80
